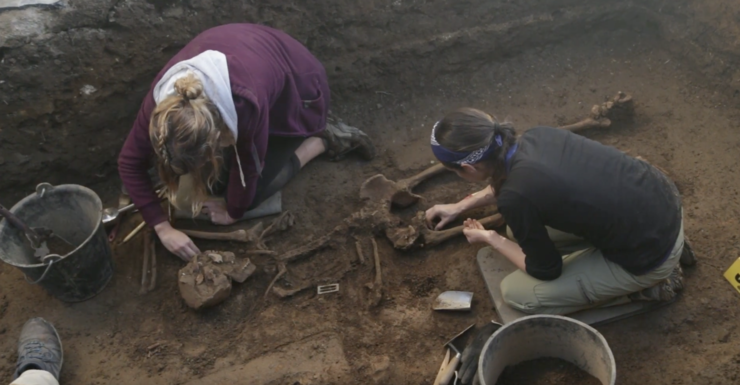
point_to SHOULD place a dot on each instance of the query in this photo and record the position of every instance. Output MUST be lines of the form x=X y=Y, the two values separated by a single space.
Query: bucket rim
x=599 y=336
x=50 y=188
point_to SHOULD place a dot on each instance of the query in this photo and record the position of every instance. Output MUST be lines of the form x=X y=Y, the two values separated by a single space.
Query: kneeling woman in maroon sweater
x=238 y=111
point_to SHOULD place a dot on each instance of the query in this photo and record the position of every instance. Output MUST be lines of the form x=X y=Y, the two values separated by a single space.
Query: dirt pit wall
x=72 y=75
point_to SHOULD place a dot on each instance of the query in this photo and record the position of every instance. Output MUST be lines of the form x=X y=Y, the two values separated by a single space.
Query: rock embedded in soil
x=545 y=371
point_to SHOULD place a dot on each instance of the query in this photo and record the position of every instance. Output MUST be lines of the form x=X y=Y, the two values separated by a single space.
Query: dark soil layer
x=545 y=371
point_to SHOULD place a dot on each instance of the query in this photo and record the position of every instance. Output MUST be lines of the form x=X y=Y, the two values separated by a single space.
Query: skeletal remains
x=256 y=235
x=379 y=195
x=150 y=257
x=206 y=280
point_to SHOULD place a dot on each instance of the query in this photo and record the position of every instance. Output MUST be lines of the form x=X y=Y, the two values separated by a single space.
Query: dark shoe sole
x=688 y=258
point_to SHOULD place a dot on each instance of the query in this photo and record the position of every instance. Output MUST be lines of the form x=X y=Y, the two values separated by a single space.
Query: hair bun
x=189 y=87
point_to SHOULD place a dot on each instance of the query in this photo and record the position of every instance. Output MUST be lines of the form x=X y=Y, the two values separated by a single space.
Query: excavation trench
x=72 y=77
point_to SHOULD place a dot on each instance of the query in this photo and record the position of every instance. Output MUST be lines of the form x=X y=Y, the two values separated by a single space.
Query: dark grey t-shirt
x=623 y=206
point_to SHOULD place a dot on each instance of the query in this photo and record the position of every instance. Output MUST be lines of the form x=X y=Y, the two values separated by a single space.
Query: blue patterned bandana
x=447 y=156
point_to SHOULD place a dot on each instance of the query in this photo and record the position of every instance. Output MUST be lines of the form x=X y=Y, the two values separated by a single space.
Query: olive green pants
x=588 y=279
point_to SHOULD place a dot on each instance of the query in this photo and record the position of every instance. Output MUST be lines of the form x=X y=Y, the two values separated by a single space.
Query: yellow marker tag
x=733 y=275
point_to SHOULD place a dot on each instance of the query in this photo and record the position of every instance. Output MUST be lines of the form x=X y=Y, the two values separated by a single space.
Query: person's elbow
x=549 y=274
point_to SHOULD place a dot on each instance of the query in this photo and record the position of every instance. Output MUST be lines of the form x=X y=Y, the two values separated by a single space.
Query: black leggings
x=281 y=165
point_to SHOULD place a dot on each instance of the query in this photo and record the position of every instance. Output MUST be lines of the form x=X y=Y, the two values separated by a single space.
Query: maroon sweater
x=279 y=88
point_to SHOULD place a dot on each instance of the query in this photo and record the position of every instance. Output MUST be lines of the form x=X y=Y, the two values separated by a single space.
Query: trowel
x=38 y=236
x=447 y=371
x=454 y=301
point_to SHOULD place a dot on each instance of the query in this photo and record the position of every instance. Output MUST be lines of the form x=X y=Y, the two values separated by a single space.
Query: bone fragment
x=419 y=235
x=282 y=269
x=360 y=254
x=378 y=188
x=241 y=235
x=619 y=107
x=377 y=285
x=285 y=221
x=433 y=238
x=304 y=250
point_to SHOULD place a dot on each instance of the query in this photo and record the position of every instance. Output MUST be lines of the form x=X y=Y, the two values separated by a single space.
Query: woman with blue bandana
x=587 y=225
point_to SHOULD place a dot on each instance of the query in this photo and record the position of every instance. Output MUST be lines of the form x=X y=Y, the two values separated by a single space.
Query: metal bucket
x=540 y=336
x=74 y=213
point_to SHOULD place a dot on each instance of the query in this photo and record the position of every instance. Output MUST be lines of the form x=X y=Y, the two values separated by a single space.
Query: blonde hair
x=185 y=131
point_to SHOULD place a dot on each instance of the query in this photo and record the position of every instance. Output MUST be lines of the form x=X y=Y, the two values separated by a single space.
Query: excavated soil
x=545 y=371
x=684 y=123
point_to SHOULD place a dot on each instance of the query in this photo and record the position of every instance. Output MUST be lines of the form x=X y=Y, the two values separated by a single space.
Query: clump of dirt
x=59 y=246
x=422 y=286
x=206 y=280
x=546 y=371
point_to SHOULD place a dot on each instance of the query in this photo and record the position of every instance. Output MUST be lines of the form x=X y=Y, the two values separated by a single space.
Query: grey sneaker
x=664 y=291
x=39 y=347
x=341 y=139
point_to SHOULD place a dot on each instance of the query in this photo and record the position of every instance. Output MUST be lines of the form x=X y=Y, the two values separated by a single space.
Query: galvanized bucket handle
x=42 y=188
x=51 y=260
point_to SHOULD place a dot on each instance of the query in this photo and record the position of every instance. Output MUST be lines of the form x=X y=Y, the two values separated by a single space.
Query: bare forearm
x=510 y=250
x=481 y=198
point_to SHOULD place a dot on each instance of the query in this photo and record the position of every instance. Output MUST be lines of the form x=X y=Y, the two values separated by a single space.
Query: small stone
x=88 y=90
x=22 y=159
x=379 y=369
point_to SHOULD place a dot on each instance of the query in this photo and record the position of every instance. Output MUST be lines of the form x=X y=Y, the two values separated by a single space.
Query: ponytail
x=471 y=136
x=185 y=130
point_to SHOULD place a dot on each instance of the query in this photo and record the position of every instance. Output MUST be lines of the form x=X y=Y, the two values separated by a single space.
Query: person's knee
x=518 y=296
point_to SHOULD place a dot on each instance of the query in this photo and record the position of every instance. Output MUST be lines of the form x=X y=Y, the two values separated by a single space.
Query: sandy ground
x=691 y=131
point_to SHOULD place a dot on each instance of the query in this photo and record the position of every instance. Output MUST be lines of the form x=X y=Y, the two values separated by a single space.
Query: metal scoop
x=454 y=301
x=111 y=213
x=38 y=236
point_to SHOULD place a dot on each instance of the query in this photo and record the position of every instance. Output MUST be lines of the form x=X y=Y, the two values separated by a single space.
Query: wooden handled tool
x=442 y=368
x=445 y=375
x=449 y=371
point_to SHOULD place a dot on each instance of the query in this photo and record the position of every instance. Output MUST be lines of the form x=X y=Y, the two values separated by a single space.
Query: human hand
x=216 y=210
x=176 y=241
x=445 y=214
x=476 y=233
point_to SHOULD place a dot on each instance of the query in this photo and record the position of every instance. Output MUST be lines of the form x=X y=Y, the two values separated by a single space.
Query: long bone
x=418 y=235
